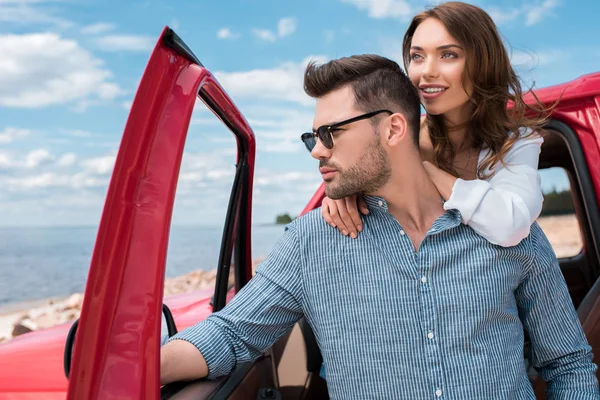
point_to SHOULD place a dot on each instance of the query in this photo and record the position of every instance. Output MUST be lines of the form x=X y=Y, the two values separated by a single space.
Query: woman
x=481 y=156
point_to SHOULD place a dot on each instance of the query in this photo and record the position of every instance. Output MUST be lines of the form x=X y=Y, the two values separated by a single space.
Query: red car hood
x=31 y=365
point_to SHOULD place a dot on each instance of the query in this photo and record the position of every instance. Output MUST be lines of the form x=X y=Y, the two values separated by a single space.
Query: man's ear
x=397 y=129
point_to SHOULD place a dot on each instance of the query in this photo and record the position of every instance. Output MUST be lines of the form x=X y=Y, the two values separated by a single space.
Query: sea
x=53 y=262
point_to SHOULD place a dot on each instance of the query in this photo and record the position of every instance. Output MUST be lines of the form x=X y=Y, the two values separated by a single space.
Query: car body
x=116 y=351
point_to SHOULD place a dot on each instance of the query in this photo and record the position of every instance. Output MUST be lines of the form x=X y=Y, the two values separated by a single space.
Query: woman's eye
x=415 y=56
x=449 y=54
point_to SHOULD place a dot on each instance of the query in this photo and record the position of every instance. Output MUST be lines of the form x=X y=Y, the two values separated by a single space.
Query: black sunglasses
x=324 y=132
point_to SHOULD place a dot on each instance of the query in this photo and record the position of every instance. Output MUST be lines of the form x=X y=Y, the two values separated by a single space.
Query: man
x=418 y=306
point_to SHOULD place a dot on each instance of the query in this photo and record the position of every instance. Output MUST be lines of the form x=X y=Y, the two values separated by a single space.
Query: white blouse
x=502 y=208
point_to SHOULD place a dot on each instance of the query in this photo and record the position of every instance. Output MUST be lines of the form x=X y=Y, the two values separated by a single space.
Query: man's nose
x=320 y=151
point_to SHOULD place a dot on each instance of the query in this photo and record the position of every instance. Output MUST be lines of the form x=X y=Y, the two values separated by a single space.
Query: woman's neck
x=456 y=123
x=459 y=140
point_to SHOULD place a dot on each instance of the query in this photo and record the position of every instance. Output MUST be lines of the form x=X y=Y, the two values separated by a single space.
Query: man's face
x=357 y=163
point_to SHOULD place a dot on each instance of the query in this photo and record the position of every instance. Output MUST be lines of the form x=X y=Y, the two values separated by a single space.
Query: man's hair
x=378 y=83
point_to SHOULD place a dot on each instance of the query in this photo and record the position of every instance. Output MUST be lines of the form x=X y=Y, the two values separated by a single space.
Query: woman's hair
x=495 y=85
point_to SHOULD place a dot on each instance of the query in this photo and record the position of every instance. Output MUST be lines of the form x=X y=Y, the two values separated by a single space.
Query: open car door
x=116 y=350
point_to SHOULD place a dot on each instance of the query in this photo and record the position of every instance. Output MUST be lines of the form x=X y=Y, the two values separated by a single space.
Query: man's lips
x=327 y=173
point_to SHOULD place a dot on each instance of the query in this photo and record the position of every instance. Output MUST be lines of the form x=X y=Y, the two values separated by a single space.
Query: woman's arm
x=502 y=208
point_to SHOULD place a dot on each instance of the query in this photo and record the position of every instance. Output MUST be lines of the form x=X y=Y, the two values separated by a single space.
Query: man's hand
x=181 y=361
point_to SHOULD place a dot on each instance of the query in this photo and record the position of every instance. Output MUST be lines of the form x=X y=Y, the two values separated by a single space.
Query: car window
x=558 y=219
x=201 y=200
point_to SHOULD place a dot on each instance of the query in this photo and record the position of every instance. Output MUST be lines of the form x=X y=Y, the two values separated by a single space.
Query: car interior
x=562 y=148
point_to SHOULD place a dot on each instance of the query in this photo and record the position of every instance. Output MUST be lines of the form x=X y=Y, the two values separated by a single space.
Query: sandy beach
x=562 y=231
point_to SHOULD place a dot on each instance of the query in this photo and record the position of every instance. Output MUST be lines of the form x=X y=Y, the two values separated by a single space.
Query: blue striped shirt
x=443 y=322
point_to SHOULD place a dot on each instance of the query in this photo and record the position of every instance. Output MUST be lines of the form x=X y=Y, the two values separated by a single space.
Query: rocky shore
x=53 y=312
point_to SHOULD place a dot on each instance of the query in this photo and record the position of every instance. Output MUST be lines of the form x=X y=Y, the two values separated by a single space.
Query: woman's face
x=437 y=63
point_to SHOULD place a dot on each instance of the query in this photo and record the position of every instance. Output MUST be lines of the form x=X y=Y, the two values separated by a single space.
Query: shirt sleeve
x=503 y=208
x=560 y=351
x=262 y=312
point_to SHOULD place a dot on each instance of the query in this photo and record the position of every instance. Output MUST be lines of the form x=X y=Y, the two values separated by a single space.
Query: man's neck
x=413 y=200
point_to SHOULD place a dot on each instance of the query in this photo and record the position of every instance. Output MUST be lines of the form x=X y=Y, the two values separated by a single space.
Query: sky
x=69 y=70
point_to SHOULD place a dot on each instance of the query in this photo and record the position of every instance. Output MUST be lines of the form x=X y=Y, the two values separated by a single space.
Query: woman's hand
x=443 y=181
x=343 y=214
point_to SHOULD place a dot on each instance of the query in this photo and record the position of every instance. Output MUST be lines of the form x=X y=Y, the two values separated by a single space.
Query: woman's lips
x=432 y=95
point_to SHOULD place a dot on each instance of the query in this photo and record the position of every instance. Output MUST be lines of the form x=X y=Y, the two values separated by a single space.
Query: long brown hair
x=495 y=85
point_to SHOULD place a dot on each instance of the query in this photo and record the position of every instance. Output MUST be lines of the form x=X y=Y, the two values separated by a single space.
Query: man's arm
x=263 y=311
x=560 y=351
x=181 y=361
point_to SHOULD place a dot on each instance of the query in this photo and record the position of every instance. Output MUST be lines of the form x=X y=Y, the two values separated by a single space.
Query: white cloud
x=205 y=121
x=66 y=160
x=99 y=165
x=286 y=27
x=54 y=180
x=5 y=161
x=9 y=135
x=23 y=12
x=226 y=33
x=44 y=180
x=538 y=12
x=265 y=35
x=97 y=28
x=501 y=17
x=37 y=157
x=533 y=13
x=280 y=83
x=278 y=129
x=125 y=43
x=291 y=178
x=402 y=10
x=530 y=60
x=285 y=146
x=127 y=104
x=82 y=179
x=379 y=9
x=77 y=132
x=42 y=69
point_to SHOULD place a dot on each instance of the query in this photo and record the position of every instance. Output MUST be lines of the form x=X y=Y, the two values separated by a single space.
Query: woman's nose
x=430 y=69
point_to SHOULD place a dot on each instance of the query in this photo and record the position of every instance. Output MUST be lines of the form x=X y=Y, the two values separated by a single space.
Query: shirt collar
x=449 y=219
x=376 y=203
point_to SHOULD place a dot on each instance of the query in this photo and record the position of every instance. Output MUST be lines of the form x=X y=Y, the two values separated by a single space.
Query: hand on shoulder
x=343 y=214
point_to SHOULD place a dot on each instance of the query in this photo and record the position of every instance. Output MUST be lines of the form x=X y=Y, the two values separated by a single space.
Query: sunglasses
x=324 y=133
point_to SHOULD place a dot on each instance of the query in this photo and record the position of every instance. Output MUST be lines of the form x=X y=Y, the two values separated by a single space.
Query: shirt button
x=430 y=335
x=424 y=279
x=380 y=203
x=438 y=393
x=402 y=232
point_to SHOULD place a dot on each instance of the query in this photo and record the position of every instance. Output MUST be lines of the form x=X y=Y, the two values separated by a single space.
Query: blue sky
x=69 y=70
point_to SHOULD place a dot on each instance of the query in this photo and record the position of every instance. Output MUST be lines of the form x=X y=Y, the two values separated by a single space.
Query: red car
x=116 y=347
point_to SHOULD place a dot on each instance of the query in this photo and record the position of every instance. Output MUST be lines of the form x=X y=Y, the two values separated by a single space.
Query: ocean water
x=39 y=263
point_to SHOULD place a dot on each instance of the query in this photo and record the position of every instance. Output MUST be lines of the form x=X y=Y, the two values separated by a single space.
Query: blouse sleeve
x=503 y=208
